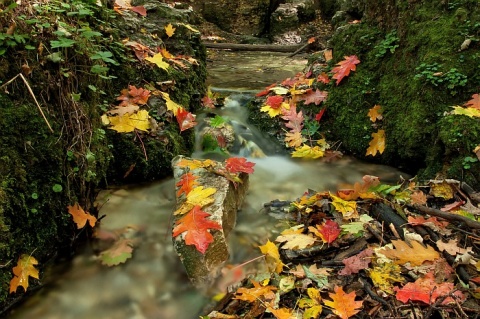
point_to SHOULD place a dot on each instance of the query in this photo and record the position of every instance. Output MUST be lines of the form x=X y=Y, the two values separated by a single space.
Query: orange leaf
x=25 y=268
x=375 y=113
x=187 y=183
x=344 y=67
x=294 y=139
x=328 y=231
x=415 y=254
x=474 y=102
x=274 y=101
x=134 y=96
x=316 y=97
x=80 y=217
x=196 y=227
x=258 y=291
x=281 y=313
x=311 y=40
x=418 y=197
x=185 y=119
x=323 y=77
x=377 y=144
x=328 y=54
x=239 y=165
x=343 y=304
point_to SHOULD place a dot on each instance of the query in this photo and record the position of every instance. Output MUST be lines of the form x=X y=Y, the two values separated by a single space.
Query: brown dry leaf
x=25 y=268
x=80 y=217
x=415 y=254
x=328 y=54
x=418 y=197
x=300 y=272
x=296 y=241
x=452 y=247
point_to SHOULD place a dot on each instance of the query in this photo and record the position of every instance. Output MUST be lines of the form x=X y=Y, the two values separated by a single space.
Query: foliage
x=390 y=43
x=431 y=73
x=24 y=269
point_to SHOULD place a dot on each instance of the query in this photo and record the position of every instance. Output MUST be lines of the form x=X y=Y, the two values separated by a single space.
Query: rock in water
x=202 y=269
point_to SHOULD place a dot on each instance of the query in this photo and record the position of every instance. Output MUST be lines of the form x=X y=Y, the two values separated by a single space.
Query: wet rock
x=288 y=16
x=202 y=269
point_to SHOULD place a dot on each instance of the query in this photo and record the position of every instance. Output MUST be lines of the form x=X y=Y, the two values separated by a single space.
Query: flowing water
x=152 y=284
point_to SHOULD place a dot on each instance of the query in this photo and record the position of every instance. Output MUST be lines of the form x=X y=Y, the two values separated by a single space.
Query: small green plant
x=468 y=161
x=390 y=43
x=432 y=74
x=57 y=188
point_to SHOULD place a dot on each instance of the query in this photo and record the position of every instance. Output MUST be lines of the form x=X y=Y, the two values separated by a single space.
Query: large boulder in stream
x=202 y=257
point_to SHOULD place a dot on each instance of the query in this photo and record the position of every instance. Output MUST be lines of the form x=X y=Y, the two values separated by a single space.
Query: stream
x=153 y=284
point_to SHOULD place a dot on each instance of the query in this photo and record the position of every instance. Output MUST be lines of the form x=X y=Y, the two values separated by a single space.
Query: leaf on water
x=157 y=59
x=80 y=217
x=375 y=113
x=197 y=197
x=169 y=30
x=344 y=67
x=186 y=183
x=270 y=250
x=196 y=227
x=377 y=144
x=25 y=268
x=343 y=304
x=129 y=122
x=415 y=254
x=185 y=119
x=119 y=253
x=239 y=165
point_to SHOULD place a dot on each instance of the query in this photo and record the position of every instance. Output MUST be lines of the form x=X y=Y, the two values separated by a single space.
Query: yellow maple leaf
x=171 y=105
x=309 y=152
x=347 y=208
x=272 y=112
x=197 y=196
x=375 y=113
x=343 y=304
x=377 y=144
x=272 y=256
x=415 y=253
x=468 y=111
x=25 y=268
x=441 y=189
x=384 y=275
x=157 y=59
x=312 y=305
x=129 y=122
x=194 y=163
x=294 y=139
x=258 y=291
x=169 y=30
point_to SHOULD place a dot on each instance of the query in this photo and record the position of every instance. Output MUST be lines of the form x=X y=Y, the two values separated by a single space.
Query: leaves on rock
x=157 y=59
x=24 y=269
x=134 y=95
x=185 y=119
x=129 y=122
x=239 y=165
x=197 y=197
x=195 y=225
x=80 y=217
x=315 y=97
x=187 y=183
x=343 y=304
x=344 y=67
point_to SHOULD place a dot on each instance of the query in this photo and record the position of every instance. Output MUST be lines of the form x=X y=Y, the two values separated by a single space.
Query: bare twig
x=143 y=146
x=448 y=216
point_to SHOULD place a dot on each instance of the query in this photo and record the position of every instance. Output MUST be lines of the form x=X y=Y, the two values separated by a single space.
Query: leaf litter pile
x=372 y=251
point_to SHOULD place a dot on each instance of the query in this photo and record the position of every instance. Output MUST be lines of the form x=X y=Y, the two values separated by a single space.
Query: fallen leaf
x=134 y=95
x=452 y=247
x=169 y=30
x=316 y=97
x=377 y=144
x=415 y=254
x=469 y=111
x=80 y=217
x=119 y=253
x=344 y=67
x=300 y=272
x=258 y=292
x=196 y=227
x=194 y=163
x=294 y=139
x=418 y=197
x=474 y=102
x=186 y=183
x=441 y=189
x=157 y=59
x=328 y=54
x=343 y=304
x=347 y=208
x=323 y=77
x=171 y=105
x=295 y=241
x=25 y=268
x=239 y=165
x=375 y=113
x=270 y=250
x=358 y=262
x=308 y=152
x=129 y=122
x=384 y=275
x=281 y=313
x=197 y=197
x=312 y=305
x=185 y=119
x=327 y=231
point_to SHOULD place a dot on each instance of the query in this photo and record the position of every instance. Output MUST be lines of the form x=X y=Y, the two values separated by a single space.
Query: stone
x=202 y=269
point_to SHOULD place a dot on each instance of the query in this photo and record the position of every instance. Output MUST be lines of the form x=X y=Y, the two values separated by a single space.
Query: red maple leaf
x=186 y=183
x=344 y=67
x=239 y=164
x=295 y=120
x=357 y=262
x=329 y=231
x=323 y=78
x=316 y=97
x=266 y=91
x=425 y=289
x=274 y=101
x=474 y=102
x=208 y=102
x=134 y=96
x=196 y=227
x=185 y=119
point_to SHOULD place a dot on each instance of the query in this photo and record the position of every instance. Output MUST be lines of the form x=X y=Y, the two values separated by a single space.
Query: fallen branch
x=448 y=216
x=254 y=47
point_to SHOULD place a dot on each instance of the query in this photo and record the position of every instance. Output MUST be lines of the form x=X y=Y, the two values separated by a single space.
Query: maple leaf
x=238 y=165
x=194 y=163
x=312 y=305
x=415 y=254
x=272 y=112
x=122 y=110
x=169 y=30
x=420 y=220
x=25 y=268
x=377 y=144
x=328 y=231
x=281 y=313
x=80 y=217
x=133 y=95
x=119 y=253
x=185 y=119
x=196 y=227
x=344 y=67
x=354 y=264
x=384 y=275
x=197 y=197
x=295 y=120
x=274 y=101
x=323 y=77
x=316 y=97
x=266 y=91
x=357 y=228
x=375 y=113
x=418 y=197
x=171 y=105
x=157 y=59
x=186 y=183
x=347 y=208
x=294 y=139
x=425 y=289
x=319 y=115
x=141 y=51
x=474 y=102
x=256 y=293
x=295 y=241
x=308 y=152
x=166 y=54
x=270 y=250
x=343 y=304
x=129 y=122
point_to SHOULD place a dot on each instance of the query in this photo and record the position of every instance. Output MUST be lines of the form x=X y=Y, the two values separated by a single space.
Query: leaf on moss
x=344 y=67
x=157 y=59
x=377 y=144
x=24 y=269
x=169 y=30
x=80 y=217
x=129 y=122
x=375 y=113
